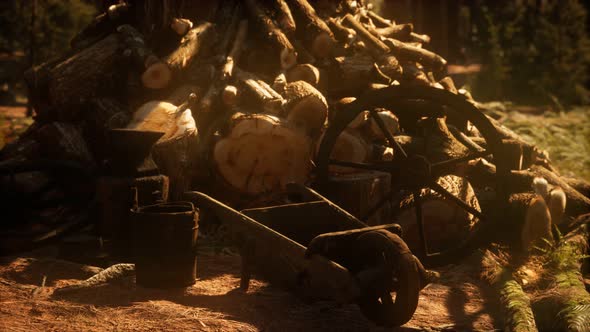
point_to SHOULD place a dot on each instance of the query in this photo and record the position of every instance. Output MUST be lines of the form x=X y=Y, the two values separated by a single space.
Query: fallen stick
x=400 y=31
x=343 y=34
x=108 y=275
x=379 y=19
x=376 y=46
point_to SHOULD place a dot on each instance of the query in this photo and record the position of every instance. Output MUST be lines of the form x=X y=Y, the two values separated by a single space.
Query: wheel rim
x=385 y=257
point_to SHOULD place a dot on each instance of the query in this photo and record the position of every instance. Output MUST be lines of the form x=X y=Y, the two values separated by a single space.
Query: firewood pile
x=244 y=93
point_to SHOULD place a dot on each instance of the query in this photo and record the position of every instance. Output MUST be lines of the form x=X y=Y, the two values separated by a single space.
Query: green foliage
x=577 y=317
x=565 y=136
x=563 y=266
x=56 y=22
x=534 y=52
x=517 y=305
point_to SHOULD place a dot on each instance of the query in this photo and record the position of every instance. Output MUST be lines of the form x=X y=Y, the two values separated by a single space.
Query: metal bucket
x=165 y=241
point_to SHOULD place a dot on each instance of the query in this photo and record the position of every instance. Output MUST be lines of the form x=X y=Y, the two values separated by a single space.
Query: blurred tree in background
x=532 y=51
x=57 y=21
x=44 y=26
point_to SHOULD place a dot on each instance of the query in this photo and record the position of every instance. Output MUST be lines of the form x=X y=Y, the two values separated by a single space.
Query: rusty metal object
x=316 y=253
x=165 y=241
x=130 y=152
x=411 y=173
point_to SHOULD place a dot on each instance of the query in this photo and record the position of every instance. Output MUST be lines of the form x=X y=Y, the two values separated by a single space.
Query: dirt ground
x=458 y=302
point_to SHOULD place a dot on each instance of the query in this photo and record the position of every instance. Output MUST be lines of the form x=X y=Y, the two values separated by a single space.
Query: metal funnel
x=130 y=150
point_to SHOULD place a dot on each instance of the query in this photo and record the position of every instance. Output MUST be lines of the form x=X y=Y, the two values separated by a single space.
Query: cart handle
x=311 y=195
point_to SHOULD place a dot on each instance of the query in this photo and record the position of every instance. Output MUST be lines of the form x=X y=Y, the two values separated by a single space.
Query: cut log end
x=306 y=107
x=391 y=124
x=156 y=76
x=288 y=58
x=304 y=72
x=349 y=147
x=537 y=225
x=229 y=95
x=181 y=26
x=262 y=154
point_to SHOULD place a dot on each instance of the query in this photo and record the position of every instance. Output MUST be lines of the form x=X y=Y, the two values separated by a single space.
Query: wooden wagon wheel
x=387 y=266
x=415 y=172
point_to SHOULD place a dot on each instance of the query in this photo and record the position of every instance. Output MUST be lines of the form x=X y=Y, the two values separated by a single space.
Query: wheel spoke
x=392 y=142
x=446 y=194
x=452 y=162
x=420 y=221
x=381 y=167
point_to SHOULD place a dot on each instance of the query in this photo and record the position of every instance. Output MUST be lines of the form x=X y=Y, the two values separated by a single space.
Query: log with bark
x=156 y=74
x=257 y=94
x=408 y=52
x=311 y=29
x=306 y=108
x=194 y=45
x=374 y=44
x=92 y=72
x=278 y=43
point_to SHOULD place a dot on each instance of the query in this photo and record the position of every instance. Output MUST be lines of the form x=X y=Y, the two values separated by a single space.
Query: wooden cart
x=319 y=251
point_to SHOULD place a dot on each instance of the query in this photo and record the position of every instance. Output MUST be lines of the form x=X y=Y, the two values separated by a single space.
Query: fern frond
x=577 y=317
